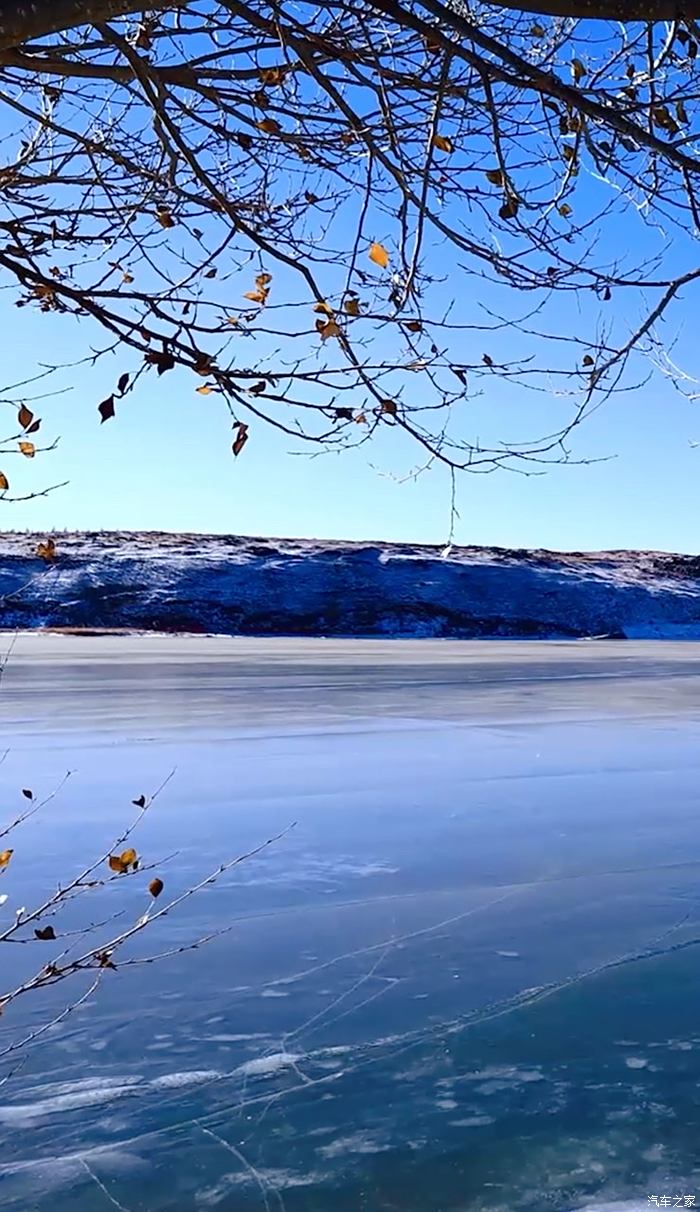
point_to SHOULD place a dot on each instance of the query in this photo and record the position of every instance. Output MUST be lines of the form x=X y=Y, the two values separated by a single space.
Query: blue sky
x=165 y=463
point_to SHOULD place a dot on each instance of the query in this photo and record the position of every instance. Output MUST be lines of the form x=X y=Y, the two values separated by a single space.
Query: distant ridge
x=232 y=585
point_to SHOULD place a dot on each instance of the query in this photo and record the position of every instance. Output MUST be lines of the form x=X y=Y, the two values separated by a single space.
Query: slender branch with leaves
x=353 y=223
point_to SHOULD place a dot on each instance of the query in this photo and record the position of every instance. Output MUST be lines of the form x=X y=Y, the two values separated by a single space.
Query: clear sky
x=164 y=463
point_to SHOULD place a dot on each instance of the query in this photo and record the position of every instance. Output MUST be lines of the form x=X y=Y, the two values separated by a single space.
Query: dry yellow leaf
x=128 y=856
x=5 y=856
x=352 y=307
x=443 y=143
x=28 y=449
x=328 y=330
x=115 y=864
x=4 y=482
x=379 y=255
x=204 y=390
x=270 y=126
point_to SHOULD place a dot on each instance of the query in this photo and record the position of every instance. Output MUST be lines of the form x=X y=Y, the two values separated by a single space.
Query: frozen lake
x=466 y=980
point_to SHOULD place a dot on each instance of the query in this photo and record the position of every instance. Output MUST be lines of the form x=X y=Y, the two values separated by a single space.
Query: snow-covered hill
x=234 y=585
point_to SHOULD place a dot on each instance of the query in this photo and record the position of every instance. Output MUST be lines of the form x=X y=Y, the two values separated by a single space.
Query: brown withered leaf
x=4 y=482
x=509 y=209
x=155 y=887
x=343 y=414
x=115 y=863
x=587 y=360
x=495 y=176
x=443 y=143
x=104 y=960
x=5 y=856
x=46 y=934
x=310 y=198
x=164 y=217
x=122 y=383
x=161 y=360
x=241 y=438
x=28 y=449
x=414 y=326
x=35 y=426
x=270 y=126
x=140 y=802
x=352 y=307
x=129 y=857
x=243 y=140
x=487 y=359
x=389 y=406
x=273 y=75
x=28 y=795
x=106 y=409
x=379 y=255
x=329 y=329
x=25 y=417
x=46 y=550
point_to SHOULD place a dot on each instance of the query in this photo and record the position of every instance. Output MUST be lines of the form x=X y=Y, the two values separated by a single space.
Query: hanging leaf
x=205 y=390
x=155 y=887
x=324 y=309
x=104 y=960
x=379 y=255
x=243 y=140
x=161 y=360
x=495 y=176
x=414 y=326
x=330 y=329
x=443 y=143
x=46 y=934
x=28 y=449
x=270 y=126
x=5 y=856
x=240 y=439
x=568 y=152
x=129 y=857
x=578 y=70
x=487 y=360
x=352 y=307
x=115 y=863
x=28 y=795
x=311 y=198
x=47 y=550
x=258 y=388
x=106 y=409
x=389 y=406
x=565 y=210
x=127 y=278
x=4 y=482
x=122 y=383
x=343 y=414
x=509 y=210
x=164 y=217
x=587 y=360
x=607 y=294
x=537 y=31
x=35 y=426
x=140 y=802
x=25 y=417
